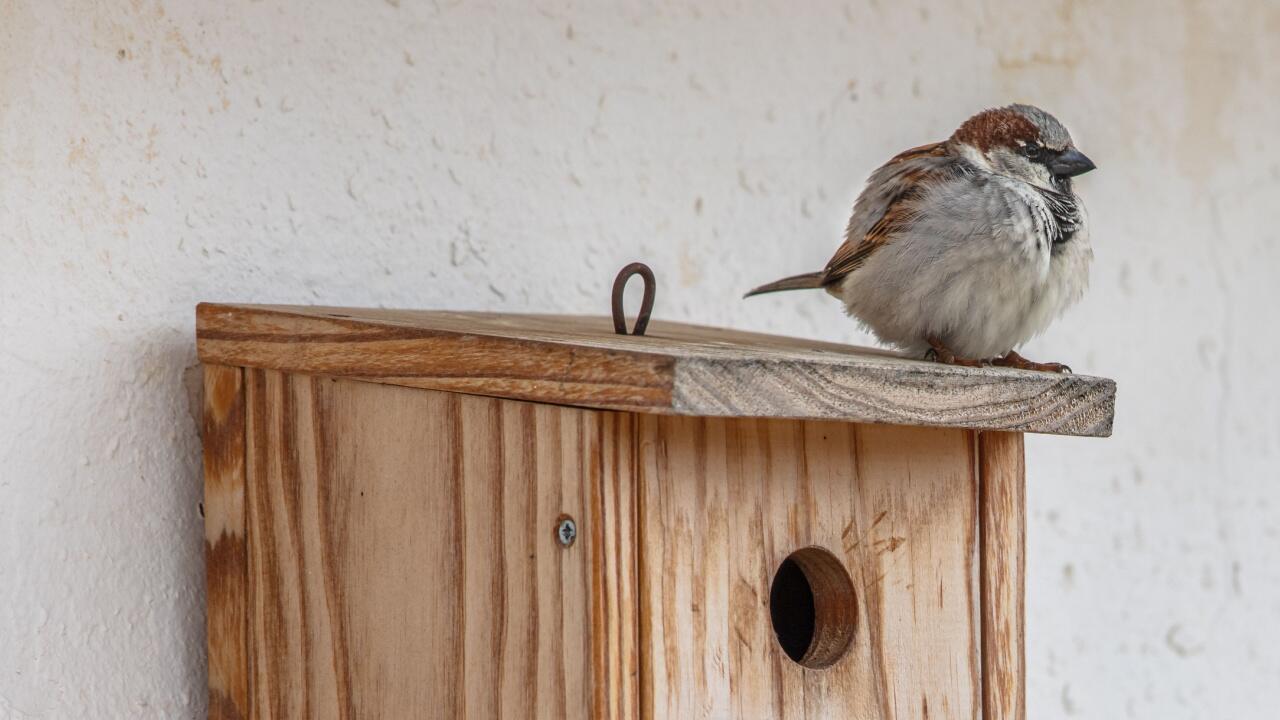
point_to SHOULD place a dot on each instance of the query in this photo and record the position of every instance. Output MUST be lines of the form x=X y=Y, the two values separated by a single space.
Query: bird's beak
x=1071 y=163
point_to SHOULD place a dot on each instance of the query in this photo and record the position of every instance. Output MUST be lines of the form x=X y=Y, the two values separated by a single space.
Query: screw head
x=566 y=531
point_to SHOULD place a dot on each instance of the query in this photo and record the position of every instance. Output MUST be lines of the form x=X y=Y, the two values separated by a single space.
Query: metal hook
x=646 y=304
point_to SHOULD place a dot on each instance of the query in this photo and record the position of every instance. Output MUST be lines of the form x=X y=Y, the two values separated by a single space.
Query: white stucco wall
x=512 y=156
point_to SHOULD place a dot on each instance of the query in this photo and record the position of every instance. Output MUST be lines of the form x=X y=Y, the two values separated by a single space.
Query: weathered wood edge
x=472 y=363
x=226 y=553
x=897 y=392
x=871 y=388
x=1002 y=520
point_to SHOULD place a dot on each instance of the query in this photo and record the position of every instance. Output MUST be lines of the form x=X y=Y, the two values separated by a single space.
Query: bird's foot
x=940 y=353
x=1014 y=360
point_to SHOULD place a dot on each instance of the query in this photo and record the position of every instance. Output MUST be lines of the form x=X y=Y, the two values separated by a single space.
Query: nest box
x=473 y=515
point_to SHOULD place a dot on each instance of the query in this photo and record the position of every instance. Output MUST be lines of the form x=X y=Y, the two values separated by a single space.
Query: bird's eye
x=1033 y=151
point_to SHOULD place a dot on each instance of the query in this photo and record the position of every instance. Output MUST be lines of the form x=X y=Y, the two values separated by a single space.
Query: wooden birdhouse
x=475 y=515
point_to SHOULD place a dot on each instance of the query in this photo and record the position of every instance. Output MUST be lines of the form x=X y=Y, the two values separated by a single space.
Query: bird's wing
x=886 y=206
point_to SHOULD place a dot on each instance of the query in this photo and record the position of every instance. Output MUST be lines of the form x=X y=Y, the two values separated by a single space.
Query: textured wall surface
x=512 y=156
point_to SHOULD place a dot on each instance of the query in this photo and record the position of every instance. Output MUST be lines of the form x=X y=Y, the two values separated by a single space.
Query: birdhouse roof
x=673 y=369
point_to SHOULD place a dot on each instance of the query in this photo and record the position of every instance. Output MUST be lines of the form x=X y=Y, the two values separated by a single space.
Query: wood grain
x=450 y=353
x=1002 y=503
x=226 y=577
x=725 y=501
x=403 y=558
x=615 y=554
x=674 y=369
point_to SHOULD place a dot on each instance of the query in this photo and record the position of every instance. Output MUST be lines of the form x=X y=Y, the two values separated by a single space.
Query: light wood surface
x=403 y=561
x=224 y=543
x=615 y=556
x=1003 y=523
x=723 y=503
x=674 y=369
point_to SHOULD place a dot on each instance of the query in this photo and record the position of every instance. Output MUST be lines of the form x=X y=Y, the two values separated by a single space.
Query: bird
x=962 y=250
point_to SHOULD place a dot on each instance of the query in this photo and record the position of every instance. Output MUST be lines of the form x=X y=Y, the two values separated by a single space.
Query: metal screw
x=566 y=531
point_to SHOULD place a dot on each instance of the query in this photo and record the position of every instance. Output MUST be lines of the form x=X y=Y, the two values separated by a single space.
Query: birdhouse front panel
x=726 y=503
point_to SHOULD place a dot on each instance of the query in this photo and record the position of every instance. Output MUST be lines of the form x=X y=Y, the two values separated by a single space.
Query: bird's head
x=1022 y=142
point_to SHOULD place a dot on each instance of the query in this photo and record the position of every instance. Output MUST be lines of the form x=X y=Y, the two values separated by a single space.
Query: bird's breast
x=1032 y=229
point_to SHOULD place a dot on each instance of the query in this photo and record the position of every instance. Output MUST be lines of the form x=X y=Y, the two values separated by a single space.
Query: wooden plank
x=725 y=501
x=616 y=547
x=403 y=555
x=224 y=542
x=457 y=356
x=674 y=369
x=1003 y=519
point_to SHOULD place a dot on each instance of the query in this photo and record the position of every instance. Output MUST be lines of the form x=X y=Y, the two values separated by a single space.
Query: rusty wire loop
x=646 y=304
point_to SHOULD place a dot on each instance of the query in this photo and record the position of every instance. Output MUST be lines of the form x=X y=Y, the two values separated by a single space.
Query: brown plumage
x=910 y=185
x=908 y=182
x=995 y=128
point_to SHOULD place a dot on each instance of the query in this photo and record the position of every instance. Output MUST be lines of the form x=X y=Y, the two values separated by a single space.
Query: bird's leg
x=1014 y=360
x=941 y=353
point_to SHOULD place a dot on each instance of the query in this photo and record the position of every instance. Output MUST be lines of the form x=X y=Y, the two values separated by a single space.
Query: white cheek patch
x=975 y=157
x=1043 y=177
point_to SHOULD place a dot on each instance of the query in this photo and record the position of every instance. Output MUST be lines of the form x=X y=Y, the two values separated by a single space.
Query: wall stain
x=1211 y=58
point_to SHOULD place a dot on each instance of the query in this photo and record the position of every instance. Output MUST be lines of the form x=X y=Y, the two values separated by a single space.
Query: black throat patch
x=1065 y=209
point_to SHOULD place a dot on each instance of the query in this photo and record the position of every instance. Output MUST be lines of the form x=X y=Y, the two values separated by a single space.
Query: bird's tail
x=807 y=281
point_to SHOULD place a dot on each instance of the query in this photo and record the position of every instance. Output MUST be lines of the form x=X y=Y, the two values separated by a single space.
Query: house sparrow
x=964 y=249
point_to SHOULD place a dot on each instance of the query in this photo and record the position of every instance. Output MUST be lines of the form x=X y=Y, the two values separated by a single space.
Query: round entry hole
x=813 y=608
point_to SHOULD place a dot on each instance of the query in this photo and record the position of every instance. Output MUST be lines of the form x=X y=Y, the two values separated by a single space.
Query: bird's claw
x=1014 y=360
